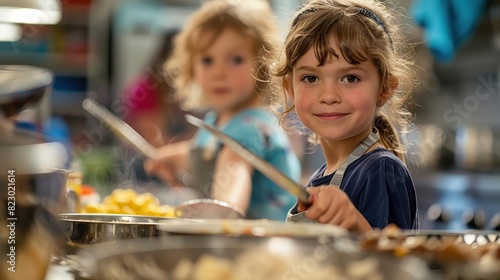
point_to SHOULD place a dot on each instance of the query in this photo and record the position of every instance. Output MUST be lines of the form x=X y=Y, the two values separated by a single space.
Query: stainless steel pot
x=83 y=230
x=157 y=259
x=39 y=197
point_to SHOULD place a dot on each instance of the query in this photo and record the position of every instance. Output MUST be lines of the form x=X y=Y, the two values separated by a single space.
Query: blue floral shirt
x=258 y=130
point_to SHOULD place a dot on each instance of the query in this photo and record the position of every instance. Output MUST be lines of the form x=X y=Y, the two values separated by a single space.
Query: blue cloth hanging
x=447 y=24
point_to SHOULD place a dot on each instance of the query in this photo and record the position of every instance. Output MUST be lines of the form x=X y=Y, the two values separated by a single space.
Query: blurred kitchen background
x=98 y=47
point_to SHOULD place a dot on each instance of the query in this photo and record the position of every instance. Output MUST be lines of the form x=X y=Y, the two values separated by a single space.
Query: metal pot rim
x=115 y=219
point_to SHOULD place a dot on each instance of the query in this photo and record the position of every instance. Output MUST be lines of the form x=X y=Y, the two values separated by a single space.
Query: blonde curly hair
x=365 y=31
x=253 y=18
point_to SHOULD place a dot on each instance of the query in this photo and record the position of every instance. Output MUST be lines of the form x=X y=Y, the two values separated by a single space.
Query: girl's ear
x=287 y=85
x=385 y=95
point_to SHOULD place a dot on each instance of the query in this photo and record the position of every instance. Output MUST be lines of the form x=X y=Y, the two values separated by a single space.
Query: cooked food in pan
x=129 y=202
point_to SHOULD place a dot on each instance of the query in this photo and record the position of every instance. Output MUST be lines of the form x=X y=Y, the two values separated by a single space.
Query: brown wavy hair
x=253 y=18
x=360 y=38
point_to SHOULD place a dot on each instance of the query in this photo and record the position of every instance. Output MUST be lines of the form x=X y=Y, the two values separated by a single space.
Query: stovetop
x=458 y=200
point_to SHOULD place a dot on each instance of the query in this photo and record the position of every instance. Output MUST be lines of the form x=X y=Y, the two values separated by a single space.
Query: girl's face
x=224 y=71
x=337 y=100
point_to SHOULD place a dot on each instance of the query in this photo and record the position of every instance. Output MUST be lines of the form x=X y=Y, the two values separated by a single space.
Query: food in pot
x=258 y=264
x=441 y=248
x=128 y=201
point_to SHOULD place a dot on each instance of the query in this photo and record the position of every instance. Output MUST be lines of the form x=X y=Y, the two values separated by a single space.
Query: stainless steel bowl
x=83 y=230
x=157 y=259
x=206 y=208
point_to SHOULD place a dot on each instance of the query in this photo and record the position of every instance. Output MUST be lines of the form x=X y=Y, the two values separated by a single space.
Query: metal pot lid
x=18 y=79
x=21 y=85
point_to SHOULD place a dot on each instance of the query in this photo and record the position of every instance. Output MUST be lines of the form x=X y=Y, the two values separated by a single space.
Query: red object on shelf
x=75 y=2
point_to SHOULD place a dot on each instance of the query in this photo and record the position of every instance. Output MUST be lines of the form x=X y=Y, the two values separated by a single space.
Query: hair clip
x=375 y=18
x=362 y=11
x=307 y=11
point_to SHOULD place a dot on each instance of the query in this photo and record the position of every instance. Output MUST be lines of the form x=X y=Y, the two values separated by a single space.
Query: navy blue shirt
x=380 y=187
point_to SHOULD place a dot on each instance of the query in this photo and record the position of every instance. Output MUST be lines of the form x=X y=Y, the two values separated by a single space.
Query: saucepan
x=83 y=230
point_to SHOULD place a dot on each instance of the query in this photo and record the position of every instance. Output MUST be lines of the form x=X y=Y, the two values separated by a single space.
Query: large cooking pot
x=242 y=257
x=33 y=192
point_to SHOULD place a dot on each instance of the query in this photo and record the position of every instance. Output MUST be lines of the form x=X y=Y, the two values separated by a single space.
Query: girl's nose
x=329 y=94
x=218 y=71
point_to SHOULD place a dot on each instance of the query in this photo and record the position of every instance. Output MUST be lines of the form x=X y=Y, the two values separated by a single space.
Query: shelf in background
x=64 y=64
x=67 y=103
x=76 y=14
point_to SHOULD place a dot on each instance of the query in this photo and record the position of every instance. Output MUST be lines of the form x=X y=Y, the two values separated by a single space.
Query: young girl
x=347 y=77
x=217 y=64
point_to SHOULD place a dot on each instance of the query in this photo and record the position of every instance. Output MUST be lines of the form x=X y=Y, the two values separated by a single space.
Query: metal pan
x=83 y=230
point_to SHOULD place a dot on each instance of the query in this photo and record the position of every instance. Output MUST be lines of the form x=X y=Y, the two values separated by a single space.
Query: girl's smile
x=330 y=116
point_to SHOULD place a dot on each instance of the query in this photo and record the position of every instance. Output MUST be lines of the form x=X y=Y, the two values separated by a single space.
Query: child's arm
x=171 y=158
x=332 y=206
x=232 y=181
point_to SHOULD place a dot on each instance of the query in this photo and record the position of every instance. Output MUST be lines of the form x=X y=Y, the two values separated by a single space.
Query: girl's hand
x=171 y=160
x=330 y=205
x=163 y=169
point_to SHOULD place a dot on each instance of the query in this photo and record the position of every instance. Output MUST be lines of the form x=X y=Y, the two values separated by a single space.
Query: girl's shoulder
x=254 y=115
x=379 y=155
x=258 y=120
x=376 y=168
x=377 y=160
x=256 y=129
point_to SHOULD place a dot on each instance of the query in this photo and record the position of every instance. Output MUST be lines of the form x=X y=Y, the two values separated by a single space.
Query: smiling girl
x=345 y=72
x=217 y=65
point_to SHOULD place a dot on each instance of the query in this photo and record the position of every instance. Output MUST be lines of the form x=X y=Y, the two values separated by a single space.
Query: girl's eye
x=236 y=60
x=206 y=60
x=350 y=79
x=309 y=79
